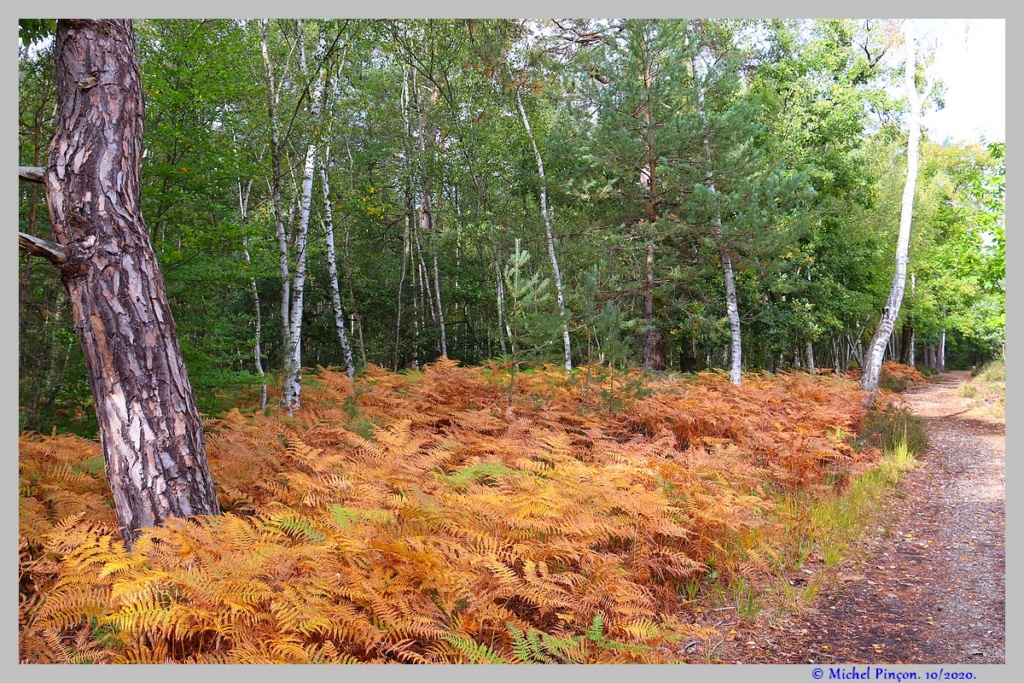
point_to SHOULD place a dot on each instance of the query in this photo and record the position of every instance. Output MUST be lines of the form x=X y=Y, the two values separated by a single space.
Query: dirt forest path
x=928 y=585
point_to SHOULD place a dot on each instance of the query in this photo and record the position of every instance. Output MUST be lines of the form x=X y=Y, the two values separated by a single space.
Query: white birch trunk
x=332 y=267
x=547 y=231
x=942 y=352
x=501 y=302
x=872 y=365
x=732 y=308
x=257 y=352
x=293 y=357
x=440 y=311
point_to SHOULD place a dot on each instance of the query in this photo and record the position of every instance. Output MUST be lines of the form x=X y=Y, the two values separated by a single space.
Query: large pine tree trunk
x=872 y=365
x=149 y=425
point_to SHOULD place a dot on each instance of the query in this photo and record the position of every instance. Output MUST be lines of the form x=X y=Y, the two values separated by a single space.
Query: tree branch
x=33 y=174
x=40 y=247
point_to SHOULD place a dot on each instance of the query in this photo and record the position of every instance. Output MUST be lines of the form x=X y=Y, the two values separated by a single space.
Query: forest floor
x=926 y=583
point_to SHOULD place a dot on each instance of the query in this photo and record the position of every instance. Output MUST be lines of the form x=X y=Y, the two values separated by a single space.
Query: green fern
x=474 y=652
x=346 y=517
x=536 y=647
x=595 y=633
x=486 y=473
x=300 y=529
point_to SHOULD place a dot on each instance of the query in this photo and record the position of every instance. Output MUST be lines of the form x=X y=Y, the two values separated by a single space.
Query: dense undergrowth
x=424 y=518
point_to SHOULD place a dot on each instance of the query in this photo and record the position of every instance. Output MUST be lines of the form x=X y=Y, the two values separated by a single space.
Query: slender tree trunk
x=293 y=349
x=559 y=292
x=942 y=352
x=732 y=308
x=424 y=278
x=654 y=341
x=873 y=361
x=809 y=354
x=907 y=344
x=243 y=207
x=152 y=438
x=275 y=157
x=501 y=300
x=357 y=318
x=440 y=310
x=427 y=223
x=406 y=256
x=328 y=223
x=332 y=267
x=909 y=348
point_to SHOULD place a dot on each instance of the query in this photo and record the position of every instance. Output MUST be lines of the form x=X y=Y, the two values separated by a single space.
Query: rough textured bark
x=872 y=365
x=149 y=426
x=547 y=232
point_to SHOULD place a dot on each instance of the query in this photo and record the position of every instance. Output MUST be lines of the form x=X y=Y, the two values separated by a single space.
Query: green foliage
x=807 y=189
x=35 y=30
x=474 y=652
x=893 y=383
x=485 y=473
x=527 y=296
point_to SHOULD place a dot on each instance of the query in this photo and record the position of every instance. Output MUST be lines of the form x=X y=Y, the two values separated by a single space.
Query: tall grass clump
x=890 y=426
x=822 y=528
x=987 y=389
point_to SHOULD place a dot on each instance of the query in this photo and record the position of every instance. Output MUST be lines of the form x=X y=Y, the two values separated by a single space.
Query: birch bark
x=731 y=306
x=872 y=365
x=559 y=293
